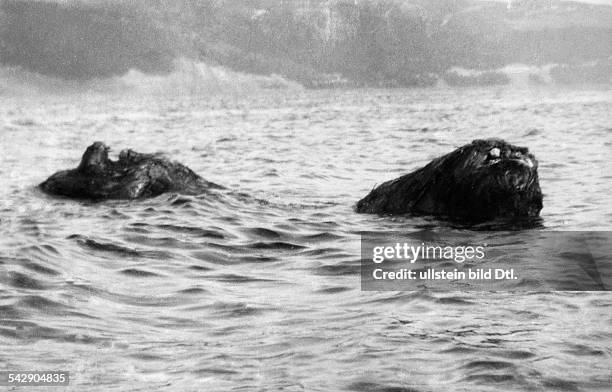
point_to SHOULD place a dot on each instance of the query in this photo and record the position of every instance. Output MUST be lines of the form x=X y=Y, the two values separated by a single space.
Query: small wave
x=239 y=309
x=224 y=258
x=139 y=273
x=266 y=233
x=34 y=332
x=333 y=254
x=516 y=354
x=493 y=378
x=22 y=281
x=339 y=269
x=259 y=259
x=320 y=237
x=160 y=242
x=8 y=312
x=213 y=372
x=30 y=265
x=193 y=290
x=487 y=365
x=559 y=384
x=582 y=350
x=277 y=245
x=367 y=386
x=146 y=357
x=103 y=246
x=334 y=290
x=41 y=251
x=196 y=231
x=199 y=268
x=459 y=350
x=454 y=301
x=234 y=278
x=133 y=300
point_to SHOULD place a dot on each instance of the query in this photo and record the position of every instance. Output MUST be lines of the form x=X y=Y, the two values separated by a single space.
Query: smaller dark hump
x=95 y=158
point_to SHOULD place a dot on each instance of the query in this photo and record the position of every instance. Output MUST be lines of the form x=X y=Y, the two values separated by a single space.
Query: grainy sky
x=607 y=2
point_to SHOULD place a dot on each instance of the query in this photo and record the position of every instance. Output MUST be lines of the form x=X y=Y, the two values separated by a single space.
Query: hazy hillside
x=74 y=41
x=532 y=32
x=318 y=43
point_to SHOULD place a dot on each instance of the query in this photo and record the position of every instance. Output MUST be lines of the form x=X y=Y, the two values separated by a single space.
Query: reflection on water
x=258 y=287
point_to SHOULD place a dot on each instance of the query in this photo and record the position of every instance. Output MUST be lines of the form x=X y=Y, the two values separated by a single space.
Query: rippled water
x=258 y=288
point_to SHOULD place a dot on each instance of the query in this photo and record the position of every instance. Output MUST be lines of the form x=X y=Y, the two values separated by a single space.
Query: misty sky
x=607 y=2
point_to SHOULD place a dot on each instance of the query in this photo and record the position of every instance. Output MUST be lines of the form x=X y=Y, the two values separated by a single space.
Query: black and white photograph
x=306 y=195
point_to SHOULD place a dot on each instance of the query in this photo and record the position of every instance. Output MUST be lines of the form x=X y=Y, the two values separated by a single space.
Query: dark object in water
x=133 y=176
x=481 y=181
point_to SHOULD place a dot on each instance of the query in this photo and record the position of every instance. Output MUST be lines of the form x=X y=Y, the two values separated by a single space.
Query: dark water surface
x=258 y=288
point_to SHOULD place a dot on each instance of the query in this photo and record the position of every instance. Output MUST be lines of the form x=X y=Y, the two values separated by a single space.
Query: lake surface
x=258 y=287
